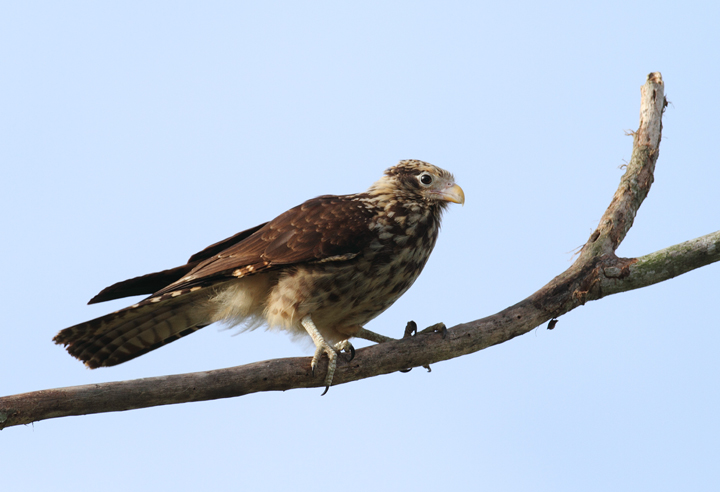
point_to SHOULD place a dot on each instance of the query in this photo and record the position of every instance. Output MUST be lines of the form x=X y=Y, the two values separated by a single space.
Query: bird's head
x=418 y=181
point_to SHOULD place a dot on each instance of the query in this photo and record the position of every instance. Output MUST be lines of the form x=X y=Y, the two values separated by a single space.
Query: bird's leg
x=410 y=330
x=372 y=336
x=321 y=347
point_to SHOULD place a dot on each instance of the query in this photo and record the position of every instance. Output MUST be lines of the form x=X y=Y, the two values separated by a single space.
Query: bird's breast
x=352 y=292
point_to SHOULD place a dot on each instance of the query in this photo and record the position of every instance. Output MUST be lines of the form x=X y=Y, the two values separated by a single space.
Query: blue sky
x=135 y=134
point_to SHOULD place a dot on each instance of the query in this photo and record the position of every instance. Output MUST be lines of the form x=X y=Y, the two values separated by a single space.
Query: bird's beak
x=453 y=194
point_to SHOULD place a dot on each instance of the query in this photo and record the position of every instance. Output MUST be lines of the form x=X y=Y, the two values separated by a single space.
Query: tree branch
x=635 y=183
x=596 y=273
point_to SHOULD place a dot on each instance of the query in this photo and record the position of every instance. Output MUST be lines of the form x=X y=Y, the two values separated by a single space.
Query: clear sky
x=134 y=134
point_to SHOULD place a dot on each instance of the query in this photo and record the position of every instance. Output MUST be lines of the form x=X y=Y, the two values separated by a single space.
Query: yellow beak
x=453 y=194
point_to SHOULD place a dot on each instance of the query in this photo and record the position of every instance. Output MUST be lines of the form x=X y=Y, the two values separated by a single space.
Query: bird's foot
x=322 y=347
x=347 y=347
x=411 y=330
x=436 y=328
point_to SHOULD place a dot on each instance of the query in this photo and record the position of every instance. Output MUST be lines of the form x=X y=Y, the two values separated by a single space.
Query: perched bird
x=324 y=268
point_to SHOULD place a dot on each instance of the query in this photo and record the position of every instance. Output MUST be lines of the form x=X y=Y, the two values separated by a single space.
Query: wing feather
x=153 y=282
x=321 y=228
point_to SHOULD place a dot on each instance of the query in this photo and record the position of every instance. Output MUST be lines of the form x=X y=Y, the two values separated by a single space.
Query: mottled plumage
x=325 y=268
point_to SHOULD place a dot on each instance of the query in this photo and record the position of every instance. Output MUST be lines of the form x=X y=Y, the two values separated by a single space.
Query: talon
x=410 y=329
x=322 y=347
x=345 y=346
x=406 y=370
x=437 y=328
x=326 y=390
x=319 y=351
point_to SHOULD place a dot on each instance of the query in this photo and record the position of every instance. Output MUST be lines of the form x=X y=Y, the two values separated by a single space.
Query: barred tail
x=136 y=330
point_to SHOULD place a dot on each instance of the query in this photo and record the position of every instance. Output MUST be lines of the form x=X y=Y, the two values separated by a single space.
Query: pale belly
x=340 y=298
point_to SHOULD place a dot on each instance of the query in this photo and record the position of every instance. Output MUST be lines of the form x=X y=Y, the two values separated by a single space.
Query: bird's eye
x=426 y=179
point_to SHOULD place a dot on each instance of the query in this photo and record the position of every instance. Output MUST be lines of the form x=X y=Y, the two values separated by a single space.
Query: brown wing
x=153 y=282
x=323 y=228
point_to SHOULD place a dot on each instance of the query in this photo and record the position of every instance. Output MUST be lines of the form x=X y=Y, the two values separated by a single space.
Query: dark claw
x=406 y=370
x=437 y=328
x=326 y=390
x=552 y=323
x=410 y=329
x=352 y=353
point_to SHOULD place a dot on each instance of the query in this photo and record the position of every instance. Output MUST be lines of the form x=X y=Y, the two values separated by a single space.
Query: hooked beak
x=453 y=194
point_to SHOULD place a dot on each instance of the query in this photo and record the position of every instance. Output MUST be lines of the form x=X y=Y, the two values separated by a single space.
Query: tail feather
x=136 y=330
x=141 y=330
x=149 y=334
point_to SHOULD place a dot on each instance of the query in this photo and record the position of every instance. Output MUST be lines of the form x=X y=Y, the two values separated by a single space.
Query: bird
x=324 y=268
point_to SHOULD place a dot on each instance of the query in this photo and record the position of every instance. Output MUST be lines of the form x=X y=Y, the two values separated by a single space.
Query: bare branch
x=662 y=265
x=596 y=273
x=635 y=184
